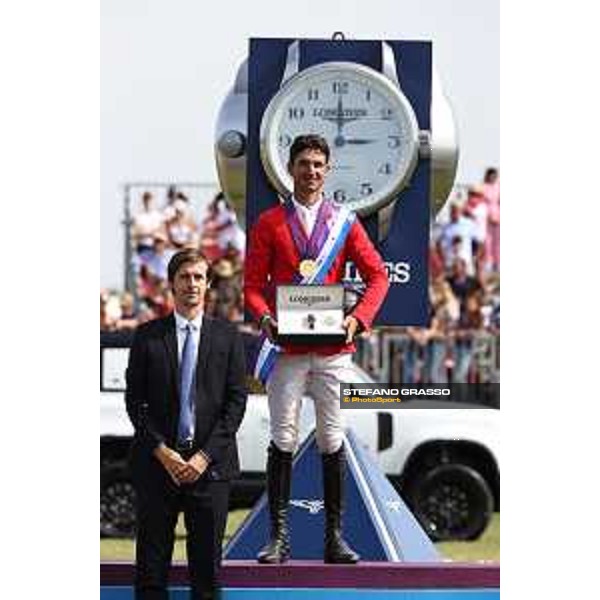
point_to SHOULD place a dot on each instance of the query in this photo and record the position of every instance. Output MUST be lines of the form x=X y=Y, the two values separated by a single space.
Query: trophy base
x=311 y=340
x=310 y=314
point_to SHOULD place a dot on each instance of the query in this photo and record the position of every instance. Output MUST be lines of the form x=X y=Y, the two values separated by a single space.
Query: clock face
x=368 y=123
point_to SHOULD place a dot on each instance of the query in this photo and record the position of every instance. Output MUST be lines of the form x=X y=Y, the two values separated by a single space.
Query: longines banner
x=371 y=100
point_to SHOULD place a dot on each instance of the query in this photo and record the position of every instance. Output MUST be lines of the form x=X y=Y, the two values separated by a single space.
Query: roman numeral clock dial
x=369 y=124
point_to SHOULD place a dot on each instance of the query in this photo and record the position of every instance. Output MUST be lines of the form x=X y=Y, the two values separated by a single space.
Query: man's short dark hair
x=309 y=142
x=186 y=256
x=489 y=173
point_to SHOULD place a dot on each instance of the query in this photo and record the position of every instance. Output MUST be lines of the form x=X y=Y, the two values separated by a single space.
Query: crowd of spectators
x=464 y=275
x=156 y=234
x=464 y=288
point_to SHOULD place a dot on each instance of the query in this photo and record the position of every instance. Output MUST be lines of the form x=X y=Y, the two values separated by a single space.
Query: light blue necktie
x=187 y=388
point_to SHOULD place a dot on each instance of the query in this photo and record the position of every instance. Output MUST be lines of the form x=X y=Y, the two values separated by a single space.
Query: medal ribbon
x=342 y=223
x=308 y=248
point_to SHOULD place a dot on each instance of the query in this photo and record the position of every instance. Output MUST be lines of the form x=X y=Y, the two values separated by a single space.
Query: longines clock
x=369 y=123
x=381 y=106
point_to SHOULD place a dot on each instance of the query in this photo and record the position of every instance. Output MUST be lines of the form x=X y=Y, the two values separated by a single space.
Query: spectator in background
x=229 y=232
x=211 y=299
x=236 y=259
x=146 y=284
x=455 y=253
x=110 y=310
x=128 y=319
x=158 y=261
x=461 y=283
x=155 y=295
x=413 y=353
x=494 y=324
x=182 y=229
x=163 y=302
x=146 y=224
x=169 y=208
x=209 y=245
x=492 y=307
x=107 y=319
x=228 y=288
x=220 y=230
x=477 y=209
x=425 y=349
x=445 y=313
x=462 y=228
x=491 y=193
x=470 y=322
x=145 y=313
x=436 y=260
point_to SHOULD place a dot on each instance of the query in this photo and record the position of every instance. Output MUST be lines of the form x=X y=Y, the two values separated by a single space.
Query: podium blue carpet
x=377 y=523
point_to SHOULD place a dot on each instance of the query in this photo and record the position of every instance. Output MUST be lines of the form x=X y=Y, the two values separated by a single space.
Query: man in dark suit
x=186 y=398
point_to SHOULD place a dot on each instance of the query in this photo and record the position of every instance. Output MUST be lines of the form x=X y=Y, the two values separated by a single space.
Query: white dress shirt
x=181 y=324
x=308 y=214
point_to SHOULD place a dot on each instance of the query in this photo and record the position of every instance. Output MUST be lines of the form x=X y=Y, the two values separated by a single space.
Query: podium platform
x=377 y=523
x=399 y=562
x=303 y=580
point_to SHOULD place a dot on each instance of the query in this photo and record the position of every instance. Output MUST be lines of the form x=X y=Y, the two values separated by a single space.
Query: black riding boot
x=336 y=548
x=279 y=471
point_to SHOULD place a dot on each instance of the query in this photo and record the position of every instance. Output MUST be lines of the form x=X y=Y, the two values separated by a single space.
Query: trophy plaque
x=310 y=314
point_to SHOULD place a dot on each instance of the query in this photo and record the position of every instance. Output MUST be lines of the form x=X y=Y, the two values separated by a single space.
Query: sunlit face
x=189 y=285
x=455 y=211
x=472 y=303
x=460 y=267
x=308 y=171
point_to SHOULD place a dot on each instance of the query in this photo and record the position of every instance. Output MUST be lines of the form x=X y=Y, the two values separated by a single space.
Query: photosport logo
x=433 y=395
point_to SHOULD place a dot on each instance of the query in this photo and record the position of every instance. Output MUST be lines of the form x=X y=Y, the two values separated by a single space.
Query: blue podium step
x=377 y=522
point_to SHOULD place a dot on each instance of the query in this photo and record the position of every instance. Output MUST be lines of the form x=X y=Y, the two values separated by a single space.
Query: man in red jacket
x=286 y=244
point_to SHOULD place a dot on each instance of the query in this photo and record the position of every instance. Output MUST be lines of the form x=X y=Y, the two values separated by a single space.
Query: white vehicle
x=444 y=461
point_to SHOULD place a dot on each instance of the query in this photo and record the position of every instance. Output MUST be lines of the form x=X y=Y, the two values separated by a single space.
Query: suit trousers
x=159 y=501
x=318 y=376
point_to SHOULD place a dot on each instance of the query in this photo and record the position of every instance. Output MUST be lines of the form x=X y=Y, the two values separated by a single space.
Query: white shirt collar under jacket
x=181 y=324
x=308 y=214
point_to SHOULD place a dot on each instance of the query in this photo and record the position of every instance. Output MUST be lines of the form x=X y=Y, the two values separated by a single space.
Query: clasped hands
x=180 y=470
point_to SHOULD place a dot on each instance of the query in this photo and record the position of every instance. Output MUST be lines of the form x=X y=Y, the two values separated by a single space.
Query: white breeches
x=318 y=376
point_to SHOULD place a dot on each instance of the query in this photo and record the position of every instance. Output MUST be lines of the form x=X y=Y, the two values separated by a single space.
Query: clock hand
x=340 y=120
x=344 y=120
x=340 y=116
x=339 y=138
x=339 y=141
x=358 y=141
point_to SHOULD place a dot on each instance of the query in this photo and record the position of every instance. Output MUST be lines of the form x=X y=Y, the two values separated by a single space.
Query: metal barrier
x=392 y=356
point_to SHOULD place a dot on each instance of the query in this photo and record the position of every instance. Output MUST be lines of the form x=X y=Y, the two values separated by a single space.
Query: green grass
x=487 y=547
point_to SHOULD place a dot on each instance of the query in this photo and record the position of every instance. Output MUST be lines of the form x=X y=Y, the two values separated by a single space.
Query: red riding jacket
x=273 y=259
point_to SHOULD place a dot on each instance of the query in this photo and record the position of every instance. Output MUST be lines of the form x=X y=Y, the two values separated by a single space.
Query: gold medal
x=307 y=267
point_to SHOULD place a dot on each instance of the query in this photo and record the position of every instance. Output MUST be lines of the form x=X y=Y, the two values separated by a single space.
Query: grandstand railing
x=384 y=356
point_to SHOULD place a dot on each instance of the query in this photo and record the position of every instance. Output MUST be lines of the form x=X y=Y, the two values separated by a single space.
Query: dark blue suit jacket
x=152 y=395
